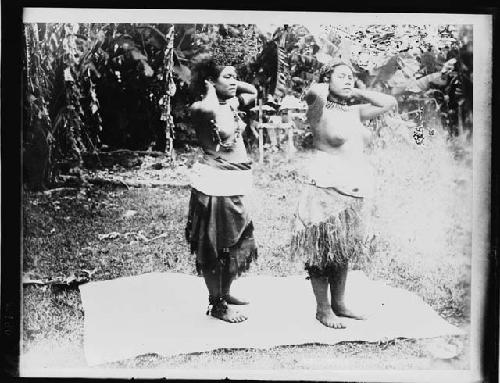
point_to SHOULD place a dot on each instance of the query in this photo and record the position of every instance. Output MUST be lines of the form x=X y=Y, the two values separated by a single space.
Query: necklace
x=227 y=146
x=337 y=103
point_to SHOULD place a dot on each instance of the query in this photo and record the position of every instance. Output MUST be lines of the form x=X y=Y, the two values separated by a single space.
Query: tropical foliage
x=93 y=86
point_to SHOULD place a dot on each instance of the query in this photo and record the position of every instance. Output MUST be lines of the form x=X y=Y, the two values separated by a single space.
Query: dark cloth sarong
x=220 y=229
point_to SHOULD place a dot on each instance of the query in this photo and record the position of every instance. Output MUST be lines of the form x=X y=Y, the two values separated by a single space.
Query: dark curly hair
x=205 y=68
x=326 y=71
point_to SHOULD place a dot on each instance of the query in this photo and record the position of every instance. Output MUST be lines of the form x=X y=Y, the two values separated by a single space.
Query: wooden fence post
x=290 y=135
x=261 y=134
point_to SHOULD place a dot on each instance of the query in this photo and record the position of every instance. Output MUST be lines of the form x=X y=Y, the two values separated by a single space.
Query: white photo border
x=482 y=138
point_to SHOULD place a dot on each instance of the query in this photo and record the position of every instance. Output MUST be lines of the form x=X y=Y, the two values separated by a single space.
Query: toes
x=329 y=323
x=238 y=318
x=338 y=325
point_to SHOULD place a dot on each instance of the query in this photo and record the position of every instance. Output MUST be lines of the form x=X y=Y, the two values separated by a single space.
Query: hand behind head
x=210 y=88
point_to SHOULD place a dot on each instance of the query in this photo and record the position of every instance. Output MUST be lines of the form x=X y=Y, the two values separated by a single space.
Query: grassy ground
x=421 y=222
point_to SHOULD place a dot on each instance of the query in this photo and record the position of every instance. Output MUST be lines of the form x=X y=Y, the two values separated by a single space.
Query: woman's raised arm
x=208 y=104
x=378 y=103
x=315 y=98
x=246 y=92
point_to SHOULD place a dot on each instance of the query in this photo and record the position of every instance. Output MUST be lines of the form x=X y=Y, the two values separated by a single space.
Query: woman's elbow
x=391 y=103
x=253 y=90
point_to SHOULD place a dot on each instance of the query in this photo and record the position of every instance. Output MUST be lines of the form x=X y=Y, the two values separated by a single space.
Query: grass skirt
x=220 y=231
x=328 y=229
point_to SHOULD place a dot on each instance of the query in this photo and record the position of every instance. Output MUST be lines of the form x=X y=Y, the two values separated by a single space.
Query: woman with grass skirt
x=328 y=226
x=219 y=227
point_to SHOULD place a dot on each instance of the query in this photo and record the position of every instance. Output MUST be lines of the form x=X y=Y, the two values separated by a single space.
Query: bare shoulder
x=360 y=108
x=200 y=111
x=202 y=107
x=234 y=102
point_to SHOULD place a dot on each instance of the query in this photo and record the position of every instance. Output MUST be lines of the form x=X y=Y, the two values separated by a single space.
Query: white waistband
x=350 y=176
x=219 y=182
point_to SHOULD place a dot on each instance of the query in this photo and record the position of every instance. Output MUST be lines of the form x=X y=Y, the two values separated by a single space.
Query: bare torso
x=230 y=129
x=339 y=138
x=335 y=131
x=340 y=133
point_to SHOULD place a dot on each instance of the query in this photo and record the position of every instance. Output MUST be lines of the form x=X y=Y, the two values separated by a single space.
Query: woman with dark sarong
x=219 y=227
x=328 y=230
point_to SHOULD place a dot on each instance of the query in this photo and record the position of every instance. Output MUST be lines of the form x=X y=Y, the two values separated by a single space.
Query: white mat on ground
x=164 y=313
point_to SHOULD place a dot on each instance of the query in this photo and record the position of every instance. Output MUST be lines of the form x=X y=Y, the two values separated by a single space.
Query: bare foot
x=343 y=311
x=328 y=318
x=235 y=301
x=228 y=314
